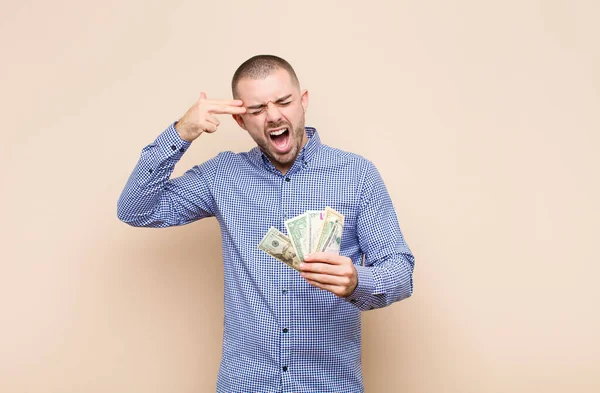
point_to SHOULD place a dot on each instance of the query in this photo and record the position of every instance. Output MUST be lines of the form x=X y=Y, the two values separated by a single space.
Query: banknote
x=314 y=230
x=279 y=246
x=298 y=231
x=315 y=223
x=330 y=237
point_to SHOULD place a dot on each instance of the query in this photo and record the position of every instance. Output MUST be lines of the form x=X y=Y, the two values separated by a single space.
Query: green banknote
x=279 y=246
x=314 y=230
x=330 y=238
x=298 y=231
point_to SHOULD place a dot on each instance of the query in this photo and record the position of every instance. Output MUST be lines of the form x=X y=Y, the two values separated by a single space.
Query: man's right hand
x=201 y=116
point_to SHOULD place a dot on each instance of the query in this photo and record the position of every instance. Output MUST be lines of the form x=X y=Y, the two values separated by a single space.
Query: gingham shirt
x=280 y=333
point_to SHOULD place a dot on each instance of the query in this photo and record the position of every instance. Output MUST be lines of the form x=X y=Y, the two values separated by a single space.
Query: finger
x=327 y=287
x=225 y=102
x=327 y=279
x=323 y=268
x=210 y=128
x=325 y=257
x=226 y=109
x=219 y=102
x=212 y=119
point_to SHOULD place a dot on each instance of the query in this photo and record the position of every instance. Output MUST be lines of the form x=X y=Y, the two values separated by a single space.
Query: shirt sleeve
x=151 y=199
x=386 y=275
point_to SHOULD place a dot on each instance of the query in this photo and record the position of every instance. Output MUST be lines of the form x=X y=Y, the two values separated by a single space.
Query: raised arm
x=150 y=198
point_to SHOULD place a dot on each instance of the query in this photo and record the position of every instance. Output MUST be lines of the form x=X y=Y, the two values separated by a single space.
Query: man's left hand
x=331 y=272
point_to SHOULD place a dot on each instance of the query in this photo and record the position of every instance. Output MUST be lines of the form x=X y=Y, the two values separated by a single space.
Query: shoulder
x=338 y=157
x=231 y=159
x=227 y=164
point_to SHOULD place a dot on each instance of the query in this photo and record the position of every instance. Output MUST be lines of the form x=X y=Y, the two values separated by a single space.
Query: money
x=298 y=230
x=315 y=223
x=314 y=230
x=330 y=238
x=279 y=246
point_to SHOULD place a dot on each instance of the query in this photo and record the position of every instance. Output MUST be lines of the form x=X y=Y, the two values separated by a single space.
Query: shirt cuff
x=159 y=158
x=364 y=289
x=170 y=143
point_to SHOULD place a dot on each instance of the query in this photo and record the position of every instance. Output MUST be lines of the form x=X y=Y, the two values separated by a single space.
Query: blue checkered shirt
x=280 y=333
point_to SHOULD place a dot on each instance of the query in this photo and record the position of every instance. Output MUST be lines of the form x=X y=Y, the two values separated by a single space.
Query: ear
x=238 y=119
x=304 y=99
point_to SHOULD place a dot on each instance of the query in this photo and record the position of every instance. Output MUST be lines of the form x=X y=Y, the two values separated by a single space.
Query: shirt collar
x=307 y=153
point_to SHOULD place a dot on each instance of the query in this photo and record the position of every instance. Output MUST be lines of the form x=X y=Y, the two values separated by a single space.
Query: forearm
x=145 y=200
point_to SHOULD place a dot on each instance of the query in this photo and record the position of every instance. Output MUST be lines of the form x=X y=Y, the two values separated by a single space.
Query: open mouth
x=280 y=138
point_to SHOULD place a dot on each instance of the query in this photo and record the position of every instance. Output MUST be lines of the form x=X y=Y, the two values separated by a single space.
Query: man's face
x=275 y=116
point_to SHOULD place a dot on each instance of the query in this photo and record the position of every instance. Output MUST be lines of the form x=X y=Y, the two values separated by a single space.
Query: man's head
x=270 y=91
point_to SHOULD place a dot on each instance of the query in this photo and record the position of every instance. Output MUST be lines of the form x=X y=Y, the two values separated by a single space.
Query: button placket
x=284 y=331
x=285 y=198
x=285 y=298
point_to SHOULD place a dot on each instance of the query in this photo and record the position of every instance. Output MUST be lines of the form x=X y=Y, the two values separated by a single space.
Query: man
x=284 y=331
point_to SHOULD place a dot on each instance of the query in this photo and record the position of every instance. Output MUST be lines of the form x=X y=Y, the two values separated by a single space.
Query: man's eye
x=256 y=112
x=285 y=103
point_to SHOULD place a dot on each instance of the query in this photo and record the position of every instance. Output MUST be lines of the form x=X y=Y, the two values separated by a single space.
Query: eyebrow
x=279 y=100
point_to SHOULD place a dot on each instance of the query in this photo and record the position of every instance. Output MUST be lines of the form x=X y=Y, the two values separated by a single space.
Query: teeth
x=275 y=133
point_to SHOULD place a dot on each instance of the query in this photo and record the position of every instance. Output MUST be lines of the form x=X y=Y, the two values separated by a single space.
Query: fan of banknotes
x=314 y=230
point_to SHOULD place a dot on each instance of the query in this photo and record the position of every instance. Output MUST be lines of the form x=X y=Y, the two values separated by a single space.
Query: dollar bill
x=330 y=237
x=315 y=223
x=298 y=231
x=279 y=246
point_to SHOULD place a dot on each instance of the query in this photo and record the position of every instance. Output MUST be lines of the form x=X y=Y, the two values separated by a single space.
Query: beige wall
x=483 y=118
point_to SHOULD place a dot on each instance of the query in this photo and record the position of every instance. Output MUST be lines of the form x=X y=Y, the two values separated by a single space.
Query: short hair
x=259 y=67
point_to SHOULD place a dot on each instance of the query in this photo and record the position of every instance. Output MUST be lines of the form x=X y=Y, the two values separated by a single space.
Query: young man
x=284 y=331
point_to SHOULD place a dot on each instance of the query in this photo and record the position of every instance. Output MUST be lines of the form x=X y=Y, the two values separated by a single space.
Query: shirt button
x=287 y=179
x=173 y=147
x=181 y=150
x=285 y=330
x=284 y=368
x=150 y=170
x=284 y=291
x=353 y=301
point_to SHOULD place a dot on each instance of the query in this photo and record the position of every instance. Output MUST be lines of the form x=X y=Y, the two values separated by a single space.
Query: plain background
x=482 y=116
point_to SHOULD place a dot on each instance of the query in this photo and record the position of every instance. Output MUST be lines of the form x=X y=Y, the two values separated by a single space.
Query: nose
x=273 y=113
